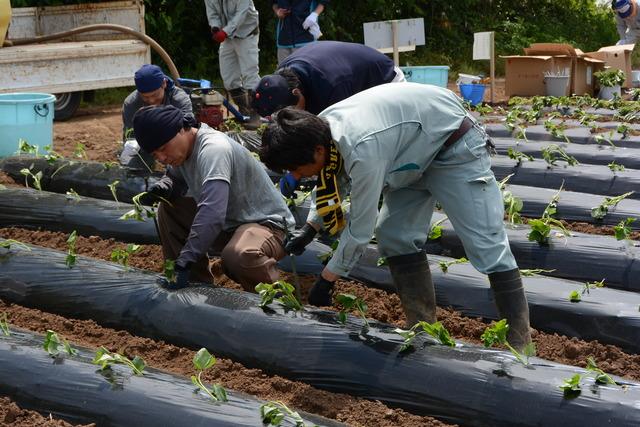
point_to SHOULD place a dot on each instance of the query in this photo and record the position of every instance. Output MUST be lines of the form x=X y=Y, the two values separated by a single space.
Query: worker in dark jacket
x=297 y=24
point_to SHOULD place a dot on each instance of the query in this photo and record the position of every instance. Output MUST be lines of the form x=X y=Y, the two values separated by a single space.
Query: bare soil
x=383 y=306
x=12 y=415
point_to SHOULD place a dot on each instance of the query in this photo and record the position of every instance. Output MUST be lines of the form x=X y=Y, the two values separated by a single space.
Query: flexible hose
x=121 y=28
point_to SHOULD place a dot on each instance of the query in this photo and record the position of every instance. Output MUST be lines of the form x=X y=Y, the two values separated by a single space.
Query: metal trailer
x=76 y=65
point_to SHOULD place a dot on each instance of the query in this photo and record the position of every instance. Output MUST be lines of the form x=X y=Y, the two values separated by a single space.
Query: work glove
x=315 y=31
x=288 y=185
x=219 y=36
x=320 y=294
x=312 y=19
x=159 y=190
x=182 y=279
x=296 y=245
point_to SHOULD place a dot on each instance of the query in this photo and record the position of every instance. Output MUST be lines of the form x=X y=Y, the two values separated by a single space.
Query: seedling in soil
x=522 y=134
x=72 y=193
x=70 y=260
x=623 y=129
x=273 y=413
x=80 y=151
x=121 y=256
x=518 y=156
x=6 y=244
x=36 y=177
x=350 y=302
x=52 y=157
x=512 y=204
x=600 y=376
x=140 y=211
x=497 y=334
x=600 y=138
x=280 y=291
x=325 y=257
x=552 y=153
x=436 y=330
x=599 y=212
x=556 y=130
x=4 y=326
x=541 y=228
x=106 y=359
x=444 y=265
x=169 y=270
x=54 y=345
x=436 y=229
x=576 y=296
x=571 y=386
x=112 y=188
x=615 y=167
x=623 y=230
x=202 y=361
x=108 y=165
x=534 y=272
x=25 y=148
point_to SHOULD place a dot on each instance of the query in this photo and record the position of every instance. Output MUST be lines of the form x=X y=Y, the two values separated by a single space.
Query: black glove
x=297 y=244
x=320 y=294
x=182 y=279
x=159 y=190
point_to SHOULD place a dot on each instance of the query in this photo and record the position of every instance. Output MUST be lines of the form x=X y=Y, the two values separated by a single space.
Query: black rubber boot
x=512 y=305
x=412 y=278
x=239 y=97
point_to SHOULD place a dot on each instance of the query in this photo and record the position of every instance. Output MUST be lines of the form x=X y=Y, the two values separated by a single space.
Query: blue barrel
x=472 y=93
x=27 y=116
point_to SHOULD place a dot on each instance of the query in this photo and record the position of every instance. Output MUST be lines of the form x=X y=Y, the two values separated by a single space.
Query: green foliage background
x=181 y=27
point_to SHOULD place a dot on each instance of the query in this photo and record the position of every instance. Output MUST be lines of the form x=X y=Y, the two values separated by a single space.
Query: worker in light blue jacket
x=414 y=144
x=627 y=20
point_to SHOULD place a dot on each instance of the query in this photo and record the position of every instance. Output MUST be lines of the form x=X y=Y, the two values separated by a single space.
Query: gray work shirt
x=387 y=135
x=253 y=198
x=237 y=18
x=173 y=96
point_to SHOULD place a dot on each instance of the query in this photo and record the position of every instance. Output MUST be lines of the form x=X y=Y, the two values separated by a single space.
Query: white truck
x=77 y=64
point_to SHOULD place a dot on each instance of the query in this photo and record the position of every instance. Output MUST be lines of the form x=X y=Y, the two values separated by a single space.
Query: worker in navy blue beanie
x=627 y=20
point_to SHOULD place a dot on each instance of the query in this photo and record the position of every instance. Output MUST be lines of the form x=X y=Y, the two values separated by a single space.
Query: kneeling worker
x=222 y=200
x=414 y=144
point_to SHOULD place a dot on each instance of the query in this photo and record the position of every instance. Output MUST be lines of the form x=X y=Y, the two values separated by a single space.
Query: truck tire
x=66 y=105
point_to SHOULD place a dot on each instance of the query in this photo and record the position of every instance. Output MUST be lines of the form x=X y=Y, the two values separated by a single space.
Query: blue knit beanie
x=623 y=8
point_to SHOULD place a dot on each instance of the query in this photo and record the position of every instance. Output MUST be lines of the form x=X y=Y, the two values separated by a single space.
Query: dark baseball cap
x=272 y=94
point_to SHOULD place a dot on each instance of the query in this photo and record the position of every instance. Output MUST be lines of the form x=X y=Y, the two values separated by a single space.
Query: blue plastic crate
x=437 y=75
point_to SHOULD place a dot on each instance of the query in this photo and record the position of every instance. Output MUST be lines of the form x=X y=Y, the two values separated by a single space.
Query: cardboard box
x=617 y=58
x=583 y=81
x=524 y=75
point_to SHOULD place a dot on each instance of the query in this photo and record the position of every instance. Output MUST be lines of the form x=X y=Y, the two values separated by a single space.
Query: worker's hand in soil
x=296 y=244
x=182 y=279
x=156 y=192
x=218 y=36
x=320 y=294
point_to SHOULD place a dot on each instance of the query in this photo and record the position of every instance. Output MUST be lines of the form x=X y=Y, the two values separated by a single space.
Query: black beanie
x=154 y=126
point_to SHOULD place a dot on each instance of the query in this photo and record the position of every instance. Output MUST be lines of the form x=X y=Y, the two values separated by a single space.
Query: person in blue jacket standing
x=297 y=24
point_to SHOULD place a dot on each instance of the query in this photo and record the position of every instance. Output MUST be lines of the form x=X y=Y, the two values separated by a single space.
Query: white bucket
x=467 y=79
x=635 y=78
x=556 y=85
x=607 y=92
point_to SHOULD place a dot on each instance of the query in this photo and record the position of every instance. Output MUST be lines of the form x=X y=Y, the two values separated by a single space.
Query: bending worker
x=221 y=200
x=319 y=75
x=153 y=87
x=627 y=20
x=414 y=144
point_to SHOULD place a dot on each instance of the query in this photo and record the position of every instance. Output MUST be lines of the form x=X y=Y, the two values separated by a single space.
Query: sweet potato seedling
x=556 y=130
x=600 y=211
x=4 y=326
x=435 y=232
x=73 y=194
x=106 y=359
x=576 y=296
x=381 y=261
x=571 y=386
x=37 y=177
x=25 y=148
x=80 y=151
x=518 y=156
x=552 y=153
x=534 y=272
x=614 y=167
x=444 y=265
x=623 y=129
x=541 y=228
x=436 y=330
x=350 y=302
x=54 y=345
x=169 y=269
x=600 y=138
x=6 y=244
x=121 y=256
x=139 y=211
x=109 y=165
x=273 y=413
x=497 y=334
x=600 y=376
x=622 y=231
x=70 y=260
x=280 y=291
x=202 y=361
x=521 y=134
x=112 y=188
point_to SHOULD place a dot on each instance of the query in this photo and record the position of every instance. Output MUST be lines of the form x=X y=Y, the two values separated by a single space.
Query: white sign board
x=482 y=43
x=379 y=35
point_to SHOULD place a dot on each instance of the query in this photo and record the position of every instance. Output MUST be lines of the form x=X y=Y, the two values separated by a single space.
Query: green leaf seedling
x=169 y=269
x=202 y=361
x=112 y=188
x=541 y=228
x=37 y=177
x=280 y=291
x=614 y=167
x=600 y=211
x=576 y=296
x=497 y=334
x=436 y=330
x=571 y=386
x=106 y=359
x=140 y=212
x=622 y=231
x=534 y=272
x=552 y=153
x=444 y=265
x=70 y=260
x=6 y=244
x=54 y=345
x=518 y=156
x=600 y=376
x=25 y=148
x=350 y=302
x=4 y=326
x=80 y=151
x=73 y=194
x=273 y=413
x=121 y=256
x=435 y=232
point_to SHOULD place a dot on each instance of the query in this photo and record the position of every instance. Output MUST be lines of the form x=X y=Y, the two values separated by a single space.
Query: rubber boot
x=512 y=305
x=412 y=278
x=239 y=97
